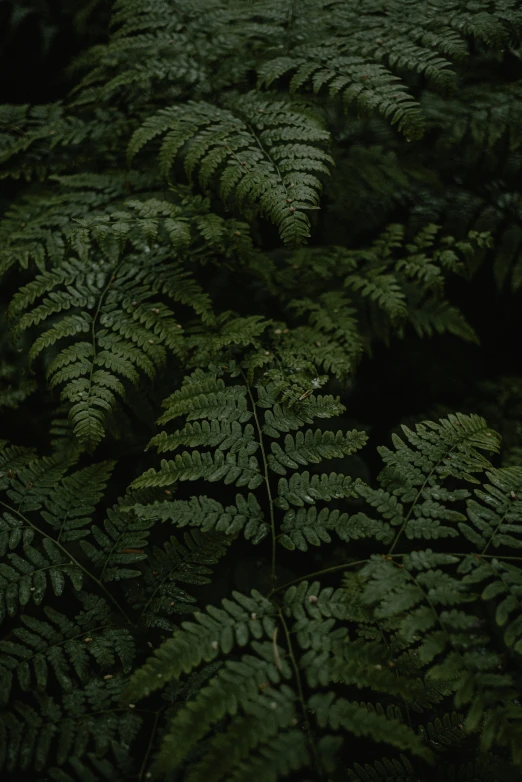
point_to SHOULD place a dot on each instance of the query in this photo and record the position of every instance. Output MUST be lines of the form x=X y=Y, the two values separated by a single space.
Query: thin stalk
x=308 y=728
x=94 y=324
x=333 y=569
x=149 y=746
x=414 y=503
x=268 y=488
x=337 y=568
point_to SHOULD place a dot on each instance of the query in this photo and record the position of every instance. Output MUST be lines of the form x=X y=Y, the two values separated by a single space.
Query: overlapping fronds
x=237 y=207
x=102 y=294
x=261 y=152
x=235 y=429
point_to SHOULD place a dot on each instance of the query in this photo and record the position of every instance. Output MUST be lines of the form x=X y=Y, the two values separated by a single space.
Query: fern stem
x=267 y=156
x=397 y=676
x=333 y=569
x=72 y=560
x=149 y=746
x=414 y=503
x=160 y=583
x=430 y=604
x=308 y=728
x=268 y=487
x=483 y=552
x=289 y=25
x=93 y=326
x=485 y=556
x=337 y=568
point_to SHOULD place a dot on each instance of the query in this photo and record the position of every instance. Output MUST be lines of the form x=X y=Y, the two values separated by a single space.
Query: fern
x=235 y=460
x=128 y=329
x=259 y=213
x=430 y=605
x=354 y=79
x=385 y=769
x=252 y=691
x=26 y=578
x=270 y=159
x=35 y=737
x=58 y=645
x=47 y=517
x=387 y=286
x=119 y=544
x=160 y=595
x=416 y=597
x=361 y=721
x=446 y=732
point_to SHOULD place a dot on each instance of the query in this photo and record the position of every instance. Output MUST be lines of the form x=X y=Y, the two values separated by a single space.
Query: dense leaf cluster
x=202 y=246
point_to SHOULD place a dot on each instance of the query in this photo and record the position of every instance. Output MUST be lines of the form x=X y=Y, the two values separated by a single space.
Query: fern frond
x=303 y=488
x=114 y=303
x=31 y=138
x=12 y=459
x=413 y=475
x=445 y=732
x=309 y=600
x=28 y=577
x=303 y=527
x=37 y=230
x=204 y=395
x=429 y=599
x=93 y=768
x=223 y=435
x=487 y=768
x=238 y=468
x=235 y=687
x=289 y=399
x=384 y=770
x=262 y=153
x=312 y=447
x=225 y=413
x=276 y=758
x=381 y=289
x=201 y=640
x=36 y=553
x=333 y=339
x=441 y=317
x=361 y=721
x=316 y=629
x=84 y=720
x=117 y=546
x=69 y=507
x=208 y=514
x=495 y=522
x=64 y=647
x=369 y=86
x=160 y=594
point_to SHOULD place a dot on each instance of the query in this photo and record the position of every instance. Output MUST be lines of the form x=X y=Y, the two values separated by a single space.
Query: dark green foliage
x=236 y=210
x=257 y=167
x=235 y=461
x=429 y=616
